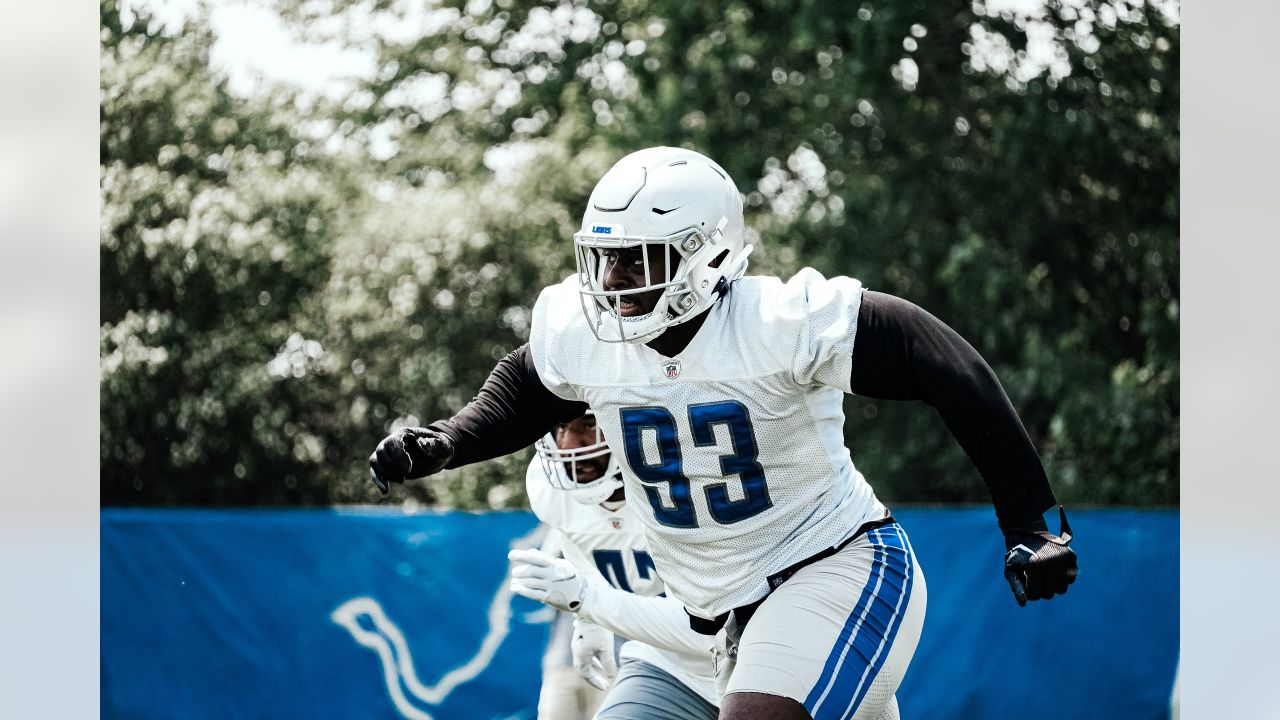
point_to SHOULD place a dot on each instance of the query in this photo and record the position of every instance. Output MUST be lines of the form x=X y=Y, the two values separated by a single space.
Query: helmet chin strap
x=722 y=287
x=735 y=272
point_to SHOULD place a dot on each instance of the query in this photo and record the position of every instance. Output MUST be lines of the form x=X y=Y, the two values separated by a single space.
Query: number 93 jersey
x=733 y=451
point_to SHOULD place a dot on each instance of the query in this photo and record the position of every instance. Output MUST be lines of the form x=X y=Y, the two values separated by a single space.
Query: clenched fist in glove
x=546 y=579
x=593 y=656
x=410 y=452
x=1039 y=564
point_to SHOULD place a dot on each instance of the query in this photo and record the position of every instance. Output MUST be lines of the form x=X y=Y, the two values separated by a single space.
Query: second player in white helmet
x=608 y=581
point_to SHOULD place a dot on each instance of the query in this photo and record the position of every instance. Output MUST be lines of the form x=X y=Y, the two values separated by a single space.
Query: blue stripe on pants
x=873 y=626
x=899 y=606
x=842 y=644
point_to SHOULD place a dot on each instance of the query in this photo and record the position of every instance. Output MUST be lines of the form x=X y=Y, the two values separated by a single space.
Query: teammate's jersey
x=611 y=544
x=733 y=451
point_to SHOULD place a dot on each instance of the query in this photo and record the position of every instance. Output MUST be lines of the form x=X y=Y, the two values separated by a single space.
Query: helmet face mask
x=566 y=469
x=684 y=215
x=666 y=263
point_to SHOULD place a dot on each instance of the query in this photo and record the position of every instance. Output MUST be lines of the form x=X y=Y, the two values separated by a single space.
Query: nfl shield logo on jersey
x=672 y=369
x=616 y=522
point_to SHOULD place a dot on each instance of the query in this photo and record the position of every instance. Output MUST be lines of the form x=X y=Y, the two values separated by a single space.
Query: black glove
x=410 y=452
x=1039 y=564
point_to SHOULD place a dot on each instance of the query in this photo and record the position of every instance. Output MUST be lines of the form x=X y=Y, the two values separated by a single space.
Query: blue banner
x=377 y=614
x=1106 y=649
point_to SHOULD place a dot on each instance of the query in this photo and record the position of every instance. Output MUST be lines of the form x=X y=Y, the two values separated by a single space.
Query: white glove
x=593 y=657
x=554 y=581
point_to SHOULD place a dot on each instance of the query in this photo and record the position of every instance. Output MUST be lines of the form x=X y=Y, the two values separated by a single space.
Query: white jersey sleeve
x=553 y=543
x=549 y=322
x=825 y=315
x=542 y=501
x=657 y=621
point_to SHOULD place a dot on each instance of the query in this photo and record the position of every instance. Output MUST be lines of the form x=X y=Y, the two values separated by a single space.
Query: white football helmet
x=673 y=198
x=561 y=467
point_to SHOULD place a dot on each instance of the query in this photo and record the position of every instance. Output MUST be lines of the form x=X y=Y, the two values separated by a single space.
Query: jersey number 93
x=668 y=469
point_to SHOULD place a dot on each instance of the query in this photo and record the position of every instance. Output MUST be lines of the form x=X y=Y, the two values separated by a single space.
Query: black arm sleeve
x=902 y=352
x=512 y=410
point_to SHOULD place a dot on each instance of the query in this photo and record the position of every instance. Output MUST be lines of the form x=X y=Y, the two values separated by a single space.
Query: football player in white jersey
x=609 y=580
x=724 y=393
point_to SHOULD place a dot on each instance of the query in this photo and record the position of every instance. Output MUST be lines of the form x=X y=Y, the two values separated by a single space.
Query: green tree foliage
x=215 y=243
x=274 y=302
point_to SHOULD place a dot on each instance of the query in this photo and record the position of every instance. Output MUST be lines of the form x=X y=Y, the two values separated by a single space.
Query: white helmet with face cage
x=684 y=204
x=561 y=468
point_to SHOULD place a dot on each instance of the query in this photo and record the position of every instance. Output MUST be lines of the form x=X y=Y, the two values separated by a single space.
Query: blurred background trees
x=285 y=277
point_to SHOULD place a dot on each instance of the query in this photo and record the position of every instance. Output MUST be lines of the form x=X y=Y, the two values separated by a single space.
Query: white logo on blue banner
x=389 y=643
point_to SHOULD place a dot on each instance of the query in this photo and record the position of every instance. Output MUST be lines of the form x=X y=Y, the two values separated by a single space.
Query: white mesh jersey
x=611 y=544
x=733 y=451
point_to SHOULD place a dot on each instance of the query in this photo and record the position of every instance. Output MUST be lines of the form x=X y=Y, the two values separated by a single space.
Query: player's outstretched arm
x=512 y=410
x=902 y=352
x=657 y=621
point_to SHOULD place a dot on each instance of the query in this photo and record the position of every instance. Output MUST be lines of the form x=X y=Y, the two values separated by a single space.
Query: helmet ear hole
x=715 y=263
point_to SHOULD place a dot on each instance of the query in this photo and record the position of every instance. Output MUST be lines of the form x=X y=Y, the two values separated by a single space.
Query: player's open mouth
x=635 y=305
x=587 y=471
x=628 y=307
